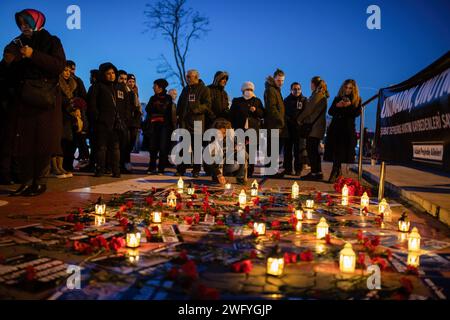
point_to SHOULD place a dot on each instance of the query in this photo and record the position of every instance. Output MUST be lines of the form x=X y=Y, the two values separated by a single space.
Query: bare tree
x=180 y=25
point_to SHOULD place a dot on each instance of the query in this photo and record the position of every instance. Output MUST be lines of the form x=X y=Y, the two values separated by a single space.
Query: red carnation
x=116 y=243
x=78 y=226
x=275 y=224
x=236 y=267
x=231 y=234
x=361 y=259
x=328 y=238
x=190 y=204
x=306 y=256
x=246 y=266
x=129 y=204
x=190 y=269
x=253 y=254
x=255 y=201
x=188 y=220
x=149 y=200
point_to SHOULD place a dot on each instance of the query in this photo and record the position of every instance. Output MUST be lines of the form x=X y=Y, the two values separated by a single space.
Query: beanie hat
x=162 y=83
x=247 y=85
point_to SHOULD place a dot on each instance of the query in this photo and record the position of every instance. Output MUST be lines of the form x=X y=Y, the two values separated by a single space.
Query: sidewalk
x=428 y=191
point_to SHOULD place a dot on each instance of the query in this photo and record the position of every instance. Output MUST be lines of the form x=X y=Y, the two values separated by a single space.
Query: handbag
x=39 y=93
x=306 y=128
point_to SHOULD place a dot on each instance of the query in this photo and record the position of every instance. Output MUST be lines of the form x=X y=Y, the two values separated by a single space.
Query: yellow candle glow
x=242 y=198
x=345 y=191
x=309 y=204
x=133 y=239
x=322 y=228
x=180 y=185
x=275 y=263
x=414 y=240
x=309 y=214
x=99 y=220
x=100 y=208
x=133 y=256
x=344 y=201
x=227 y=186
x=382 y=206
x=254 y=189
x=299 y=214
x=403 y=225
x=320 y=248
x=365 y=201
x=156 y=217
x=347 y=259
x=298 y=227
x=259 y=228
x=413 y=259
x=172 y=200
x=295 y=190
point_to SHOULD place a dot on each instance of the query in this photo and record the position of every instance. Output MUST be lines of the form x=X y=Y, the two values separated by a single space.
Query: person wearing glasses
x=341 y=138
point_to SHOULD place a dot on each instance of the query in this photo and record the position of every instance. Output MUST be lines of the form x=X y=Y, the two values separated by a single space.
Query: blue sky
x=251 y=38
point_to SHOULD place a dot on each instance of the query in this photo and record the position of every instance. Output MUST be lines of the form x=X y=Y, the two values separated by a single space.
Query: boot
x=59 y=163
x=335 y=173
x=55 y=169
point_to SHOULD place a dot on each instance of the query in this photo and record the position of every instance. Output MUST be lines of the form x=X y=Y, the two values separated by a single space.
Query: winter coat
x=317 y=104
x=294 y=107
x=109 y=103
x=194 y=104
x=31 y=131
x=240 y=112
x=159 y=116
x=68 y=92
x=341 y=139
x=219 y=98
x=274 y=113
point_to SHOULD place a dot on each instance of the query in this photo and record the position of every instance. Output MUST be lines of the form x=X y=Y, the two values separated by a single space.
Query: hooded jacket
x=219 y=97
x=274 y=107
x=194 y=104
x=316 y=105
x=109 y=100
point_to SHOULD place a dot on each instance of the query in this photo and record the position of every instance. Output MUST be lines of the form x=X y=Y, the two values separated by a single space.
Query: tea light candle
x=365 y=201
x=309 y=204
x=299 y=214
x=242 y=198
x=259 y=228
x=295 y=190
x=180 y=185
x=322 y=228
x=133 y=239
x=156 y=217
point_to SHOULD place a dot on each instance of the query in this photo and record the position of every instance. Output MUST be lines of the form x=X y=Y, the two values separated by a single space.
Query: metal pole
x=361 y=143
x=382 y=179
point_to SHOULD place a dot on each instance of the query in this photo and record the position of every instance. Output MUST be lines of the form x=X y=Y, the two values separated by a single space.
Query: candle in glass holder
x=259 y=228
x=100 y=207
x=347 y=259
x=382 y=206
x=180 y=185
x=156 y=217
x=365 y=200
x=295 y=190
x=322 y=228
x=99 y=220
x=345 y=191
x=275 y=263
x=190 y=189
x=242 y=199
x=254 y=189
x=299 y=214
x=413 y=259
x=172 y=200
x=227 y=186
x=403 y=223
x=414 y=240
x=310 y=204
x=133 y=239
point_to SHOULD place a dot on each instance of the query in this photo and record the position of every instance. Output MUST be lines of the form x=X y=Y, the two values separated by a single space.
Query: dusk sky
x=250 y=39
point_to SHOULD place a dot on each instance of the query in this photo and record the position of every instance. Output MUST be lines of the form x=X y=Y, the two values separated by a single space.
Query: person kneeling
x=217 y=150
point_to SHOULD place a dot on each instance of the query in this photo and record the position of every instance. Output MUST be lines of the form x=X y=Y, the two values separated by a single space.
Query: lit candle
x=254 y=189
x=413 y=259
x=172 y=200
x=344 y=191
x=309 y=204
x=320 y=248
x=191 y=189
x=347 y=259
x=344 y=201
x=242 y=198
x=295 y=190
x=156 y=217
x=180 y=185
x=100 y=207
x=259 y=228
x=99 y=220
x=133 y=239
x=227 y=186
x=403 y=223
x=309 y=214
x=275 y=263
x=414 y=240
x=382 y=206
x=322 y=228
x=299 y=214
x=365 y=201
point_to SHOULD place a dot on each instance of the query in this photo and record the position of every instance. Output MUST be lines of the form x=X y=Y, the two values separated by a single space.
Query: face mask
x=248 y=95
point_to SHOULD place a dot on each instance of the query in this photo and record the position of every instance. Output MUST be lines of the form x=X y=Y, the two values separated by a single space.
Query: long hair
x=355 y=91
x=321 y=86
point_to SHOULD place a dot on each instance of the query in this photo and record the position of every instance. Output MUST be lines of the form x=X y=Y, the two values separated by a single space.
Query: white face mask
x=248 y=94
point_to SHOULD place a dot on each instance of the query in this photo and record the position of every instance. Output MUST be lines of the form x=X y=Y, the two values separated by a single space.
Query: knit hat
x=162 y=83
x=35 y=19
x=247 y=85
x=131 y=76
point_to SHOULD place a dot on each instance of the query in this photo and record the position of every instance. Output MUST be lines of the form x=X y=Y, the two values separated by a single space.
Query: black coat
x=274 y=108
x=159 y=116
x=294 y=107
x=240 y=112
x=32 y=132
x=194 y=104
x=341 y=139
x=219 y=102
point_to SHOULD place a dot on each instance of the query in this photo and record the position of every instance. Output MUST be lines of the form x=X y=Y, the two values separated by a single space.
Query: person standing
x=274 y=115
x=136 y=117
x=341 y=137
x=312 y=122
x=246 y=112
x=193 y=106
x=159 y=126
x=219 y=97
x=295 y=147
x=33 y=60
x=107 y=100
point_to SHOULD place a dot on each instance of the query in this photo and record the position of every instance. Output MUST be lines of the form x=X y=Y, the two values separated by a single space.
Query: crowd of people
x=48 y=117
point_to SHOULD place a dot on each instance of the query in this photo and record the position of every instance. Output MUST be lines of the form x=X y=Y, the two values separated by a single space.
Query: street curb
x=429 y=207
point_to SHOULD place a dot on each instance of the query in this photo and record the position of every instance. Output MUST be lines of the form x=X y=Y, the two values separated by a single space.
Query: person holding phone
x=33 y=62
x=341 y=138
